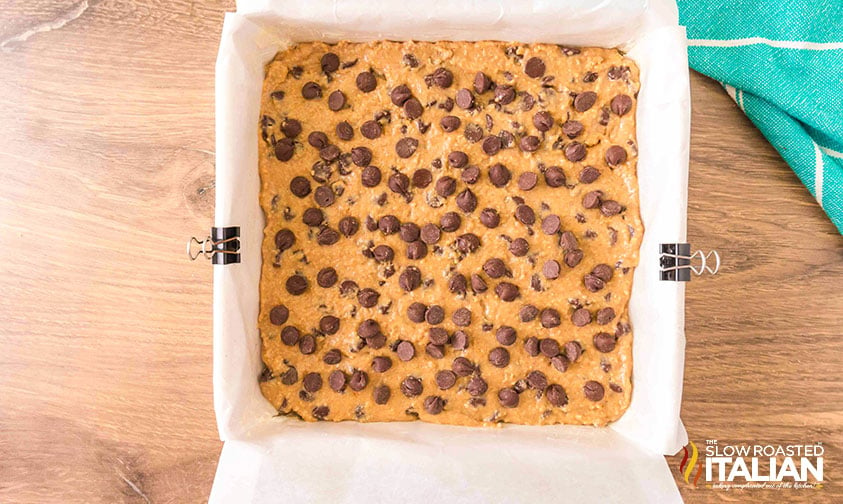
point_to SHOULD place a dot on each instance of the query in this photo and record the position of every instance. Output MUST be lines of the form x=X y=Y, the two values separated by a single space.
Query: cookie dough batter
x=451 y=232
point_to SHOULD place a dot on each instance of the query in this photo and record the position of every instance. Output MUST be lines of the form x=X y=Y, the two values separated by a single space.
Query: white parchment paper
x=269 y=459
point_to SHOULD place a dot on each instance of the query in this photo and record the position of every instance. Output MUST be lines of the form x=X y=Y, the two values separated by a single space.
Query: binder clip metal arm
x=222 y=246
x=676 y=262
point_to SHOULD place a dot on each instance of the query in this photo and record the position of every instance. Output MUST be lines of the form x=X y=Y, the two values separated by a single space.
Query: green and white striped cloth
x=782 y=63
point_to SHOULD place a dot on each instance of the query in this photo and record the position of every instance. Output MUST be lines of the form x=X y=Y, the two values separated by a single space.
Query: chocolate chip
x=572 y=129
x=410 y=278
x=551 y=224
x=389 y=224
x=445 y=379
x=482 y=83
x=326 y=277
x=581 y=317
x=525 y=215
x=491 y=145
x=327 y=236
x=605 y=315
x=300 y=186
x=593 y=390
x=277 y=95
x=450 y=221
x=345 y=131
x=330 y=62
x=406 y=147
x=468 y=242
x=324 y=196
x=610 y=208
x=499 y=357
x=443 y=78
x=349 y=225
x=615 y=155
x=604 y=342
x=312 y=382
x=457 y=159
x=549 y=347
x=530 y=143
x=296 y=285
x=371 y=176
x=527 y=181
x=584 y=101
x=329 y=324
x=592 y=283
x=381 y=364
x=405 y=350
x=478 y=285
x=437 y=335
x=531 y=346
x=490 y=218
x=291 y=128
x=430 y=234
x=621 y=104
x=537 y=380
x=603 y=272
x=337 y=381
x=317 y=139
x=534 y=67
x=519 y=247
x=450 y=123
x=551 y=269
x=476 y=386
x=506 y=335
x=471 y=174
x=366 y=82
x=422 y=178
x=528 y=313
x=508 y=397
x=336 y=100
x=358 y=381
x=457 y=284
x=543 y=121
x=371 y=130
x=499 y=175
x=411 y=386
x=464 y=99
x=361 y=156
x=589 y=174
x=592 y=199
x=368 y=297
x=549 y=317
x=278 y=315
x=381 y=394
x=575 y=151
x=473 y=132
x=311 y=90
x=494 y=267
x=461 y=317
x=459 y=340
x=290 y=335
x=504 y=95
x=400 y=94
x=446 y=186
x=573 y=351
x=383 y=253
x=284 y=149
x=467 y=201
x=556 y=395
x=347 y=286
x=507 y=292
x=554 y=177
x=332 y=356
x=416 y=250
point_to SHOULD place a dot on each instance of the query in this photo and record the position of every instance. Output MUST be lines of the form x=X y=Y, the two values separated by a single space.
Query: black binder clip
x=221 y=247
x=676 y=262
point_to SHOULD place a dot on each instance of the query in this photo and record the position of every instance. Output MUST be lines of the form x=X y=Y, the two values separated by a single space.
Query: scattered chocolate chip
x=528 y=313
x=366 y=82
x=504 y=95
x=443 y=78
x=312 y=382
x=467 y=201
x=278 y=315
x=416 y=250
x=581 y=317
x=534 y=68
x=554 y=177
x=347 y=286
x=621 y=104
x=324 y=196
x=446 y=186
x=358 y=381
x=371 y=130
x=336 y=100
x=589 y=174
x=450 y=221
x=499 y=175
x=434 y=404
x=311 y=90
x=450 y=123
x=490 y=218
x=604 y=342
x=337 y=381
x=584 y=101
x=290 y=335
x=344 y=131
x=615 y=155
x=593 y=390
x=300 y=186
x=592 y=199
x=519 y=247
x=410 y=278
x=284 y=149
x=525 y=215
x=332 y=356
x=371 y=176
x=381 y=364
x=573 y=351
x=471 y=174
x=383 y=253
x=381 y=394
x=572 y=129
x=457 y=284
x=400 y=94
x=461 y=317
x=473 y=132
x=605 y=315
x=435 y=351
x=494 y=267
x=277 y=95
x=491 y=145
x=468 y=242
x=361 y=156
x=556 y=395
x=405 y=350
x=610 y=208
x=549 y=317
x=464 y=99
x=505 y=335
x=482 y=83
x=430 y=234
x=329 y=324
x=551 y=269
x=406 y=147
x=527 y=181
x=290 y=376
x=530 y=143
x=499 y=357
x=531 y=346
x=307 y=344
x=603 y=272
x=368 y=297
x=551 y=224
x=296 y=285
x=508 y=397
x=422 y=178
x=476 y=386
x=291 y=128
x=411 y=386
x=445 y=379
x=507 y=292
x=543 y=121
x=327 y=236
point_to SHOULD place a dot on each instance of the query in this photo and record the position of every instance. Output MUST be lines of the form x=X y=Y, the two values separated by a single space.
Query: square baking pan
x=267 y=457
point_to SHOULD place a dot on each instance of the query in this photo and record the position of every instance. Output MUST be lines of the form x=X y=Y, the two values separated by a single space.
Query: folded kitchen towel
x=782 y=63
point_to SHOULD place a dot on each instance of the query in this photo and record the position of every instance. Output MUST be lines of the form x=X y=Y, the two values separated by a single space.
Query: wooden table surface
x=107 y=166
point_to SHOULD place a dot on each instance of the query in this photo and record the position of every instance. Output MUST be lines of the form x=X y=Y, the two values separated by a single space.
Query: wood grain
x=107 y=163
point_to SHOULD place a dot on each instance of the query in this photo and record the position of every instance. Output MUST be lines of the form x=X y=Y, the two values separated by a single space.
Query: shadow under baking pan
x=271 y=458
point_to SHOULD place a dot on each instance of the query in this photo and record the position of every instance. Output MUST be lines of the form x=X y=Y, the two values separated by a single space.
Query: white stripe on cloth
x=818 y=174
x=782 y=44
x=734 y=94
x=830 y=152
